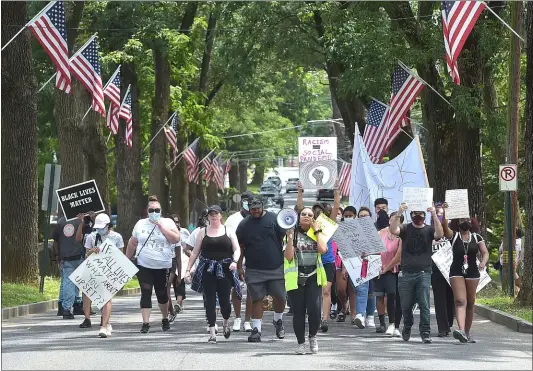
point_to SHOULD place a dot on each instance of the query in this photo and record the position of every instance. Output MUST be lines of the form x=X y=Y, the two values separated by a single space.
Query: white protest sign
x=317 y=157
x=354 y=268
x=102 y=275
x=327 y=225
x=355 y=237
x=443 y=258
x=457 y=200
x=418 y=199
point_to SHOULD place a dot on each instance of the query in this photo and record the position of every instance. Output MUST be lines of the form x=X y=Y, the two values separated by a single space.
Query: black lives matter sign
x=80 y=198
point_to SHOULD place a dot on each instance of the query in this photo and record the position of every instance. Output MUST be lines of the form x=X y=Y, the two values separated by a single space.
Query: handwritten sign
x=354 y=268
x=457 y=200
x=80 y=198
x=102 y=275
x=418 y=199
x=355 y=237
x=317 y=158
x=327 y=225
x=443 y=258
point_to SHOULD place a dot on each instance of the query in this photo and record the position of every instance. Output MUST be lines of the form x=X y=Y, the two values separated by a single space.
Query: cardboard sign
x=354 y=268
x=443 y=258
x=355 y=237
x=457 y=200
x=317 y=158
x=102 y=275
x=327 y=225
x=79 y=199
x=418 y=199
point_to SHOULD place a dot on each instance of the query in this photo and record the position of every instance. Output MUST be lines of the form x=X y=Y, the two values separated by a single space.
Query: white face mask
x=245 y=206
x=154 y=216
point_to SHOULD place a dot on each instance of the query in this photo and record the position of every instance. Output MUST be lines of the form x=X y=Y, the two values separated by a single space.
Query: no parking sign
x=507 y=177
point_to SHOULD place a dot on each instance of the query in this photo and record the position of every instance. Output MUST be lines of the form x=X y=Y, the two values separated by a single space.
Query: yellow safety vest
x=291 y=273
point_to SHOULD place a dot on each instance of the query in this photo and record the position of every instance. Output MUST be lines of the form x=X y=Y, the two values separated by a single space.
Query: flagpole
x=108 y=137
x=206 y=156
x=501 y=20
x=189 y=146
x=106 y=85
x=30 y=22
x=46 y=83
x=156 y=134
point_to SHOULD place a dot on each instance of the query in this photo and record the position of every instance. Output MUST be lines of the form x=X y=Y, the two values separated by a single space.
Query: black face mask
x=465 y=226
x=383 y=219
x=418 y=219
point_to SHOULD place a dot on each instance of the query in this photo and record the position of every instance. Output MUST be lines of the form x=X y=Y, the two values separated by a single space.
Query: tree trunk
x=19 y=150
x=180 y=187
x=208 y=50
x=212 y=194
x=526 y=291
x=160 y=108
x=234 y=180
x=243 y=176
x=259 y=174
x=128 y=162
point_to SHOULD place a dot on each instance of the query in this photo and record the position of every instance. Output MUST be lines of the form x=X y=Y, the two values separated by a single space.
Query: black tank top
x=217 y=248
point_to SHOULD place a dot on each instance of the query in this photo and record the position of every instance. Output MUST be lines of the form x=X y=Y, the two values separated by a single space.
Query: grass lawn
x=493 y=297
x=14 y=294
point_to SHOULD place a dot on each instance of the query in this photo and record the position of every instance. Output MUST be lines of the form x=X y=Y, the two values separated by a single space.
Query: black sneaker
x=443 y=334
x=86 y=323
x=78 y=309
x=59 y=309
x=341 y=317
x=165 y=324
x=470 y=339
x=67 y=314
x=381 y=329
x=426 y=338
x=280 y=330
x=333 y=314
x=178 y=309
x=460 y=335
x=172 y=317
x=406 y=333
x=324 y=326
x=255 y=336
x=145 y=328
x=227 y=332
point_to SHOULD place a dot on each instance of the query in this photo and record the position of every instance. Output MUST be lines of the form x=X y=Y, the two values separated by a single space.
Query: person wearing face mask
x=151 y=244
x=464 y=271
x=103 y=232
x=415 y=275
x=341 y=279
x=232 y=223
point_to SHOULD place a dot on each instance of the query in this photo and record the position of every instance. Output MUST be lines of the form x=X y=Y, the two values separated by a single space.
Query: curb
x=514 y=323
x=45 y=306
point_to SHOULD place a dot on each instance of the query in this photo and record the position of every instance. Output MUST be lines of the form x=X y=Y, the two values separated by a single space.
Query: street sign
x=508 y=175
x=236 y=198
x=46 y=188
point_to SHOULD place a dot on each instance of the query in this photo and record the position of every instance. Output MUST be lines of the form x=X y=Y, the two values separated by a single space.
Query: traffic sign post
x=509 y=184
x=508 y=178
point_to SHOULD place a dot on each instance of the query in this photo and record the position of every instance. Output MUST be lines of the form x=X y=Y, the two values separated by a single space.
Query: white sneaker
x=396 y=333
x=313 y=344
x=369 y=322
x=103 y=332
x=359 y=321
x=390 y=329
x=237 y=324
x=109 y=328
x=300 y=349
x=247 y=326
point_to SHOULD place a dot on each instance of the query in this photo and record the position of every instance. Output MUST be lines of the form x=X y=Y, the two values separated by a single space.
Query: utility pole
x=511 y=200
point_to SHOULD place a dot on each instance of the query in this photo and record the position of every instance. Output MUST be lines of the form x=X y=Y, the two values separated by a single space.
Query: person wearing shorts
x=260 y=238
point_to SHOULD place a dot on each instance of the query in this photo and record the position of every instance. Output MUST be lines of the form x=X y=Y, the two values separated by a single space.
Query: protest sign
x=354 y=268
x=317 y=158
x=418 y=199
x=457 y=200
x=102 y=275
x=443 y=257
x=80 y=199
x=327 y=225
x=355 y=237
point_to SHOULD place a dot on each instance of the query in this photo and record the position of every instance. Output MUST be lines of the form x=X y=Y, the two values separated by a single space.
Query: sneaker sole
x=358 y=323
x=102 y=335
x=458 y=336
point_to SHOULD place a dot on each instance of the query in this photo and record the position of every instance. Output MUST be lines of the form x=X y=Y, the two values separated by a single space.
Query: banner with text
x=80 y=199
x=102 y=275
x=355 y=237
x=354 y=267
x=317 y=158
x=457 y=200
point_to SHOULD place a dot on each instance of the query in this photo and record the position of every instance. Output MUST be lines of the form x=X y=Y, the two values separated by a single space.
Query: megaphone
x=287 y=218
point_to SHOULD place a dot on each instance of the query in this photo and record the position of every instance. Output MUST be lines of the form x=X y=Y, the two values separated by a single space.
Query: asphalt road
x=45 y=341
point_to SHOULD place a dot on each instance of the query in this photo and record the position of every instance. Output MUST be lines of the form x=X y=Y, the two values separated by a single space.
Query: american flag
x=191 y=158
x=344 y=179
x=85 y=65
x=217 y=169
x=49 y=29
x=458 y=19
x=171 y=134
x=208 y=166
x=125 y=113
x=112 y=92
x=228 y=167
x=376 y=129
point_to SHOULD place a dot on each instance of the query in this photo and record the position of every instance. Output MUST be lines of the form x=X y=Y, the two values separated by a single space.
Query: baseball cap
x=101 y=221
x=214 y=208
x=255 y=202
x=246 y=195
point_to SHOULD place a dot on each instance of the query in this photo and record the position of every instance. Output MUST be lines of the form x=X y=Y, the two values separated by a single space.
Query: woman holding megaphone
x=304 y=277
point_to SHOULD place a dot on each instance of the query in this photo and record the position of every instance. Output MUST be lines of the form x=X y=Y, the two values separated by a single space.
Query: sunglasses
x=150 y=210
x=307 y=214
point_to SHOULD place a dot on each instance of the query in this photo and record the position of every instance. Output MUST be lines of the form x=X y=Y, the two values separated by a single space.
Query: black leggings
x=150 y=279
x=213 y=286
x=306 y=298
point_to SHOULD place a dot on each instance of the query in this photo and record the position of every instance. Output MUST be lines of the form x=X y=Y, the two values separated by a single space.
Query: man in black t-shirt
x=415 y=276
x=260 y=238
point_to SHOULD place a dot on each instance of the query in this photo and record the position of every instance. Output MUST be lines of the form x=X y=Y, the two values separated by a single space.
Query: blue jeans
x=69 y=291
x=60 y=299
x=371 y=301
x=361 y=298
x=414 y=288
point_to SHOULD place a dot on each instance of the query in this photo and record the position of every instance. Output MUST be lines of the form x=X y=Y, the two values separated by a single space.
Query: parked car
x=292 y=185
x=274 y=179
x=324 y=193
x=270 y=191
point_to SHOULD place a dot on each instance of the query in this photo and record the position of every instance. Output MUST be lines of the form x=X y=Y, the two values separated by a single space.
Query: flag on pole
x=217 y=170
x=375 y=129
x=50 y=30
x=191 y=158
x=208 y=166
x=85 y=65
x=172 y=136
x=112 y=92
x=344 y=178
x=458 y=20
x=125 y=113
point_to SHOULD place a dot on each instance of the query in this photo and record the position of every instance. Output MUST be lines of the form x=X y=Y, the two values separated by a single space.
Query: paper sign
x=418 y=199
x=317 y=158
x=102 y=275
x=355 y=237
x=457 y=200
x=354 y=268
x=79 y=199
x=327 y=225
x=443 y=257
